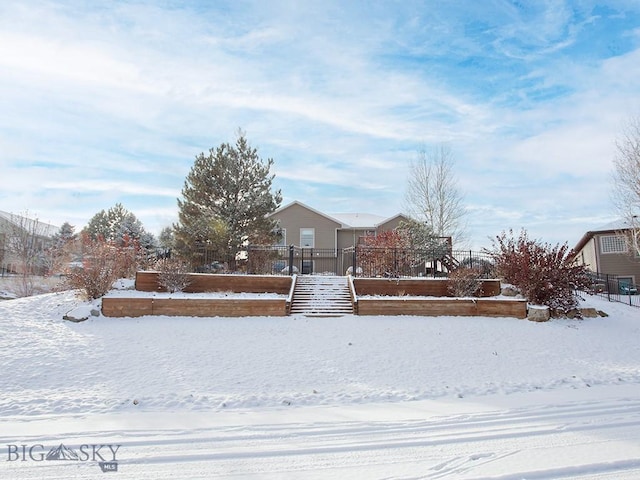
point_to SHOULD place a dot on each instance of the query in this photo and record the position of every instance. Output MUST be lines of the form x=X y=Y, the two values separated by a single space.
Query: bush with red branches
x=545 y=274
x=103 y=263
x=386 y=254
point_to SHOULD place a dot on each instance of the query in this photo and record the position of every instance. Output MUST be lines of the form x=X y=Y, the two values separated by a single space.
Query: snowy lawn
x=229 y=387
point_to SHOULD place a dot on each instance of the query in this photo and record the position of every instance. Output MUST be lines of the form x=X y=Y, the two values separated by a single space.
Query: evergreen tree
x=167 y=238
x=64 y=236
x=120 y=226
x=63 y=248
x=98 y=227
x=420 y=237
x=226 y=197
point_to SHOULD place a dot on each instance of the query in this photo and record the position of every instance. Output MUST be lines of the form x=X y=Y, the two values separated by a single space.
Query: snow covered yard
x=346 y=397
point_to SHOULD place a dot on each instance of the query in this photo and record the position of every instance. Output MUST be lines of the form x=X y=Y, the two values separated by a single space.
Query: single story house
x=306 y=227
x=322 y=239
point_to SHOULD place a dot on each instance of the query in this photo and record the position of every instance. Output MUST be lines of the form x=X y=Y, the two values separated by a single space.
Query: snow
x=344 y=397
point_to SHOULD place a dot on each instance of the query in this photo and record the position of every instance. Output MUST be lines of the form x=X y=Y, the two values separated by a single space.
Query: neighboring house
x=605 y=251
x=322 y=238
x=37 y=235
x=306 y=227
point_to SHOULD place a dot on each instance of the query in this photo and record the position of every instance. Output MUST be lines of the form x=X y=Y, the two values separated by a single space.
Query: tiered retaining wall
x=397 y=297
x=393 y=297
x=204 y=307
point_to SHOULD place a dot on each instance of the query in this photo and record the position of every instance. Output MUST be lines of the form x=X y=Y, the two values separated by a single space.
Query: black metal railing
x=614 y=289
x=287 y=260
x=364 y=261
x=400 y=262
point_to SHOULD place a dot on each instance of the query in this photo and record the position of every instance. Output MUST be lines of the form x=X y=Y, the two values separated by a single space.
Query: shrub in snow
x=545 y=274
x=485 y=267
x=465 y=282
x=386 y=254
x=264 y=260
x=174 y=274
x=103 y=263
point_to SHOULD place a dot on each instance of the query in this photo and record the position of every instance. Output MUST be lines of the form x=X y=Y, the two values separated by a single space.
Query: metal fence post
x=353 y=262
x=290 y=259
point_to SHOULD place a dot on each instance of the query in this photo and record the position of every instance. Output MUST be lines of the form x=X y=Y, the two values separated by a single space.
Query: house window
x=613 y=244
x=307 y=237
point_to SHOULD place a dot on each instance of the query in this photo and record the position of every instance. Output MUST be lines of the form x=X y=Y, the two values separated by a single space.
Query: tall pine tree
x=226 y=198
x=64 y=235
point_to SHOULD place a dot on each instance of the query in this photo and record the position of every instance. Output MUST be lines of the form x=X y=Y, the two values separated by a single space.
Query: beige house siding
x=392 y=223
x=591 y=254
x=348 y=237
x=330 y=233
x=588 y=256
x=620 y=264
x=295 y=217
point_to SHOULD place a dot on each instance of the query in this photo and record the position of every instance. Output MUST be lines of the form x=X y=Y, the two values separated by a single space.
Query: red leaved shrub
x=545 y=274
x=386 y=254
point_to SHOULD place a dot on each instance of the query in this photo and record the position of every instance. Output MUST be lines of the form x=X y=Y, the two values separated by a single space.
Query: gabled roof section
x=618 y=225
x=397 y=215
x=363 y=220
x=358 y=220
x=300 y=204
x=346 y=220
x=44 y=229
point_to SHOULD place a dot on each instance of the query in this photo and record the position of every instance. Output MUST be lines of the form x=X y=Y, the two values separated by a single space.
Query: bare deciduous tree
x=433 y=195
x=626 y=181
x=26 y=243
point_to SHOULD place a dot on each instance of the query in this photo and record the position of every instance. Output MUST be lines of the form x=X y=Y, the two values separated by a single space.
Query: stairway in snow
x=322 y=296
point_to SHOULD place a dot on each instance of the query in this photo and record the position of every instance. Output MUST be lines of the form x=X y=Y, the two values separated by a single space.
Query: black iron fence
x=364 y=261
x=614 y=289
x=287 y=260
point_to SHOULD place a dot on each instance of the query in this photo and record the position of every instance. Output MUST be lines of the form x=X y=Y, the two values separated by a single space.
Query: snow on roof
x=347 y=220
x=619 y=224
x=358 y=220
x=41 y=228
x=614 y=226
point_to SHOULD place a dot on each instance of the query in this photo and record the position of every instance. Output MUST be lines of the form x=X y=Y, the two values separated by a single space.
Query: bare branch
x=626 y=181
x=433 y=195
x=25 y=243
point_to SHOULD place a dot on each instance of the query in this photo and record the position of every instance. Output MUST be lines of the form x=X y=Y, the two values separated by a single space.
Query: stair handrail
x=289 y=300
x=352 y=293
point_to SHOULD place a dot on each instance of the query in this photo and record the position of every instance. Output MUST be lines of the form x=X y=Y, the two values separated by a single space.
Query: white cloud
x=115 y=101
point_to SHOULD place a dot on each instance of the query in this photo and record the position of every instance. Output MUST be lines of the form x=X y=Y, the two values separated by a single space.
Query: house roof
x=347 y=220
x=295 y=202
x=611 y=227
x=44 y=229
x=358 y=220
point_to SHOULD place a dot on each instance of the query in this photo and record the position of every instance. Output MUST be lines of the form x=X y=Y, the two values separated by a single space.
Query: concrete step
x=321 y=296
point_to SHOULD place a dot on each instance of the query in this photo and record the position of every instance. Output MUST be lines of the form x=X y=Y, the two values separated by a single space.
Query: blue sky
x=107 y=102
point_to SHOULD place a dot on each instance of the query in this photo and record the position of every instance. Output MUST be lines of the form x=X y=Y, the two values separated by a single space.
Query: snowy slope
x=347 y=397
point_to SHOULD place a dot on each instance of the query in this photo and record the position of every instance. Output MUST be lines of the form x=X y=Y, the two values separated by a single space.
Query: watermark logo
x=102 y=454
